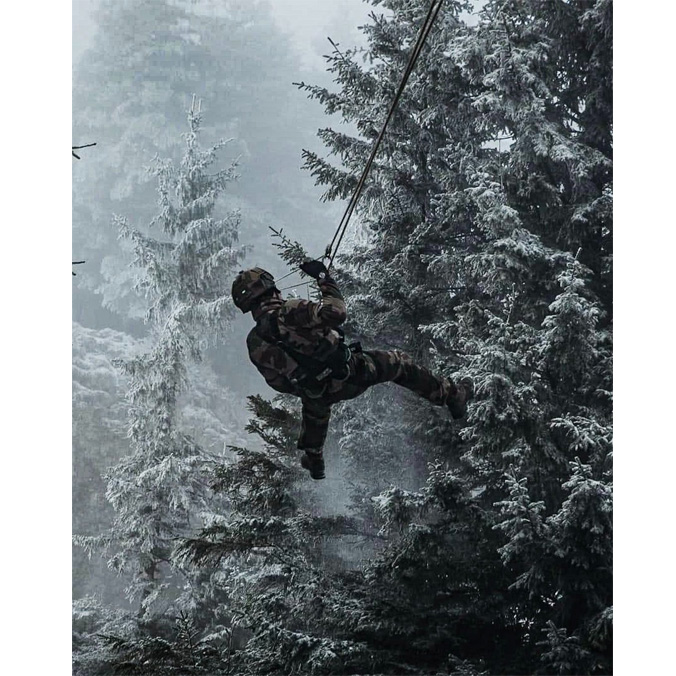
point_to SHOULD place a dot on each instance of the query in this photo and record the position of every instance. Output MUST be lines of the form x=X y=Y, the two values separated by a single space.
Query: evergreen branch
x=332 y=102
x=291 y=251
x=335 y=49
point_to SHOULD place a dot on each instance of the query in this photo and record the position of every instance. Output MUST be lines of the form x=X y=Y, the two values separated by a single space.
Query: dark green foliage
x=281 y=587
x=112 y=643
x=488 y=252
x=291 y=252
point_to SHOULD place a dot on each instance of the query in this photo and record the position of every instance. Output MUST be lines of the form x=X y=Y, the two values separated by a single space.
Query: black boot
x=457 y=402
x=313 y=461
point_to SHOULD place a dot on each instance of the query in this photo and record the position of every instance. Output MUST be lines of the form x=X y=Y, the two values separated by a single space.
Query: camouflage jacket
x=305 y=326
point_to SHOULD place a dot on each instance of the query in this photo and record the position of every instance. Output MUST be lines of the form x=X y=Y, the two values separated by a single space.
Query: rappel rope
x=425 y=30
x=422 y=37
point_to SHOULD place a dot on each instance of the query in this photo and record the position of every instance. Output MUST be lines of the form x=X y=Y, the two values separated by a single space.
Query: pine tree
x=158 y=490
x=209 y=412
x=145 y=62
x=553 y=385
x=99 y=441
x=273 y=551
x=488 y=215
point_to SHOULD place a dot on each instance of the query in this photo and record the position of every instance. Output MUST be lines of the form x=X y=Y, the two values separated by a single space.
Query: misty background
x=132 y=103
x=306 y=22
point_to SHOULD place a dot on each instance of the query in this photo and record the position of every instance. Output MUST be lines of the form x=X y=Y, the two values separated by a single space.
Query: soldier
x=298 y=347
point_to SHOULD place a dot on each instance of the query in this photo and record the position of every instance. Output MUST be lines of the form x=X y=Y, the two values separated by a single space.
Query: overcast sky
x=309 y=22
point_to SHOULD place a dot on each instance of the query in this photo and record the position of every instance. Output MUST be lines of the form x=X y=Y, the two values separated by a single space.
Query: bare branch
x=74 y=148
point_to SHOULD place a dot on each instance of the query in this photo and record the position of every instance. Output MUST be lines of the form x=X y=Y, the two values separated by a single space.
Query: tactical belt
x=312 y=374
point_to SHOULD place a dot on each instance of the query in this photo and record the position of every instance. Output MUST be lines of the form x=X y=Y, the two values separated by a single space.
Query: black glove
x=315 y=269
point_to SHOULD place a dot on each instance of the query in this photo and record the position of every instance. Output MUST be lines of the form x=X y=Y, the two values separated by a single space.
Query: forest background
x=40 y=387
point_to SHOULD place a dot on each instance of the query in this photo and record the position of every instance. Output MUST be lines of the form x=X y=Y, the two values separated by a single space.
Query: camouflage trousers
x=369 y=368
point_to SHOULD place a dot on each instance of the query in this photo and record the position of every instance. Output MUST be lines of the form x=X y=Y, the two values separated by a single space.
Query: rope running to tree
x=422 y=37
x=425 y=30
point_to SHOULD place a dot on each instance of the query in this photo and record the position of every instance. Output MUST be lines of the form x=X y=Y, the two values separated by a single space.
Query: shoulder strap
x=268 y=329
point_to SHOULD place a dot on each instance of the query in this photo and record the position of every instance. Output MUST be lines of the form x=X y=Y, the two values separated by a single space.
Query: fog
x=130 y=97
x=307 y=22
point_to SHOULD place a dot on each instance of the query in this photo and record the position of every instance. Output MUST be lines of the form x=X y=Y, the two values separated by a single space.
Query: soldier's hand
x=315 y=269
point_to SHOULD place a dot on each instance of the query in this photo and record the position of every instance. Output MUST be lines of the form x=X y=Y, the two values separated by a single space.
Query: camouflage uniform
x=303 y=325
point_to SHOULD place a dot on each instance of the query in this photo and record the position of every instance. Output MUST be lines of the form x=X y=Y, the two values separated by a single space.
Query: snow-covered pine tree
x=269 y=549
x=159 y=489
x=489 y=252
x=543 y=360
x=130 y=87
x=109 y=641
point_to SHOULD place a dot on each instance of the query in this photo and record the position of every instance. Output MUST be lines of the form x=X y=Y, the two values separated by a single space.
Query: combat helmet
x=250 y=285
